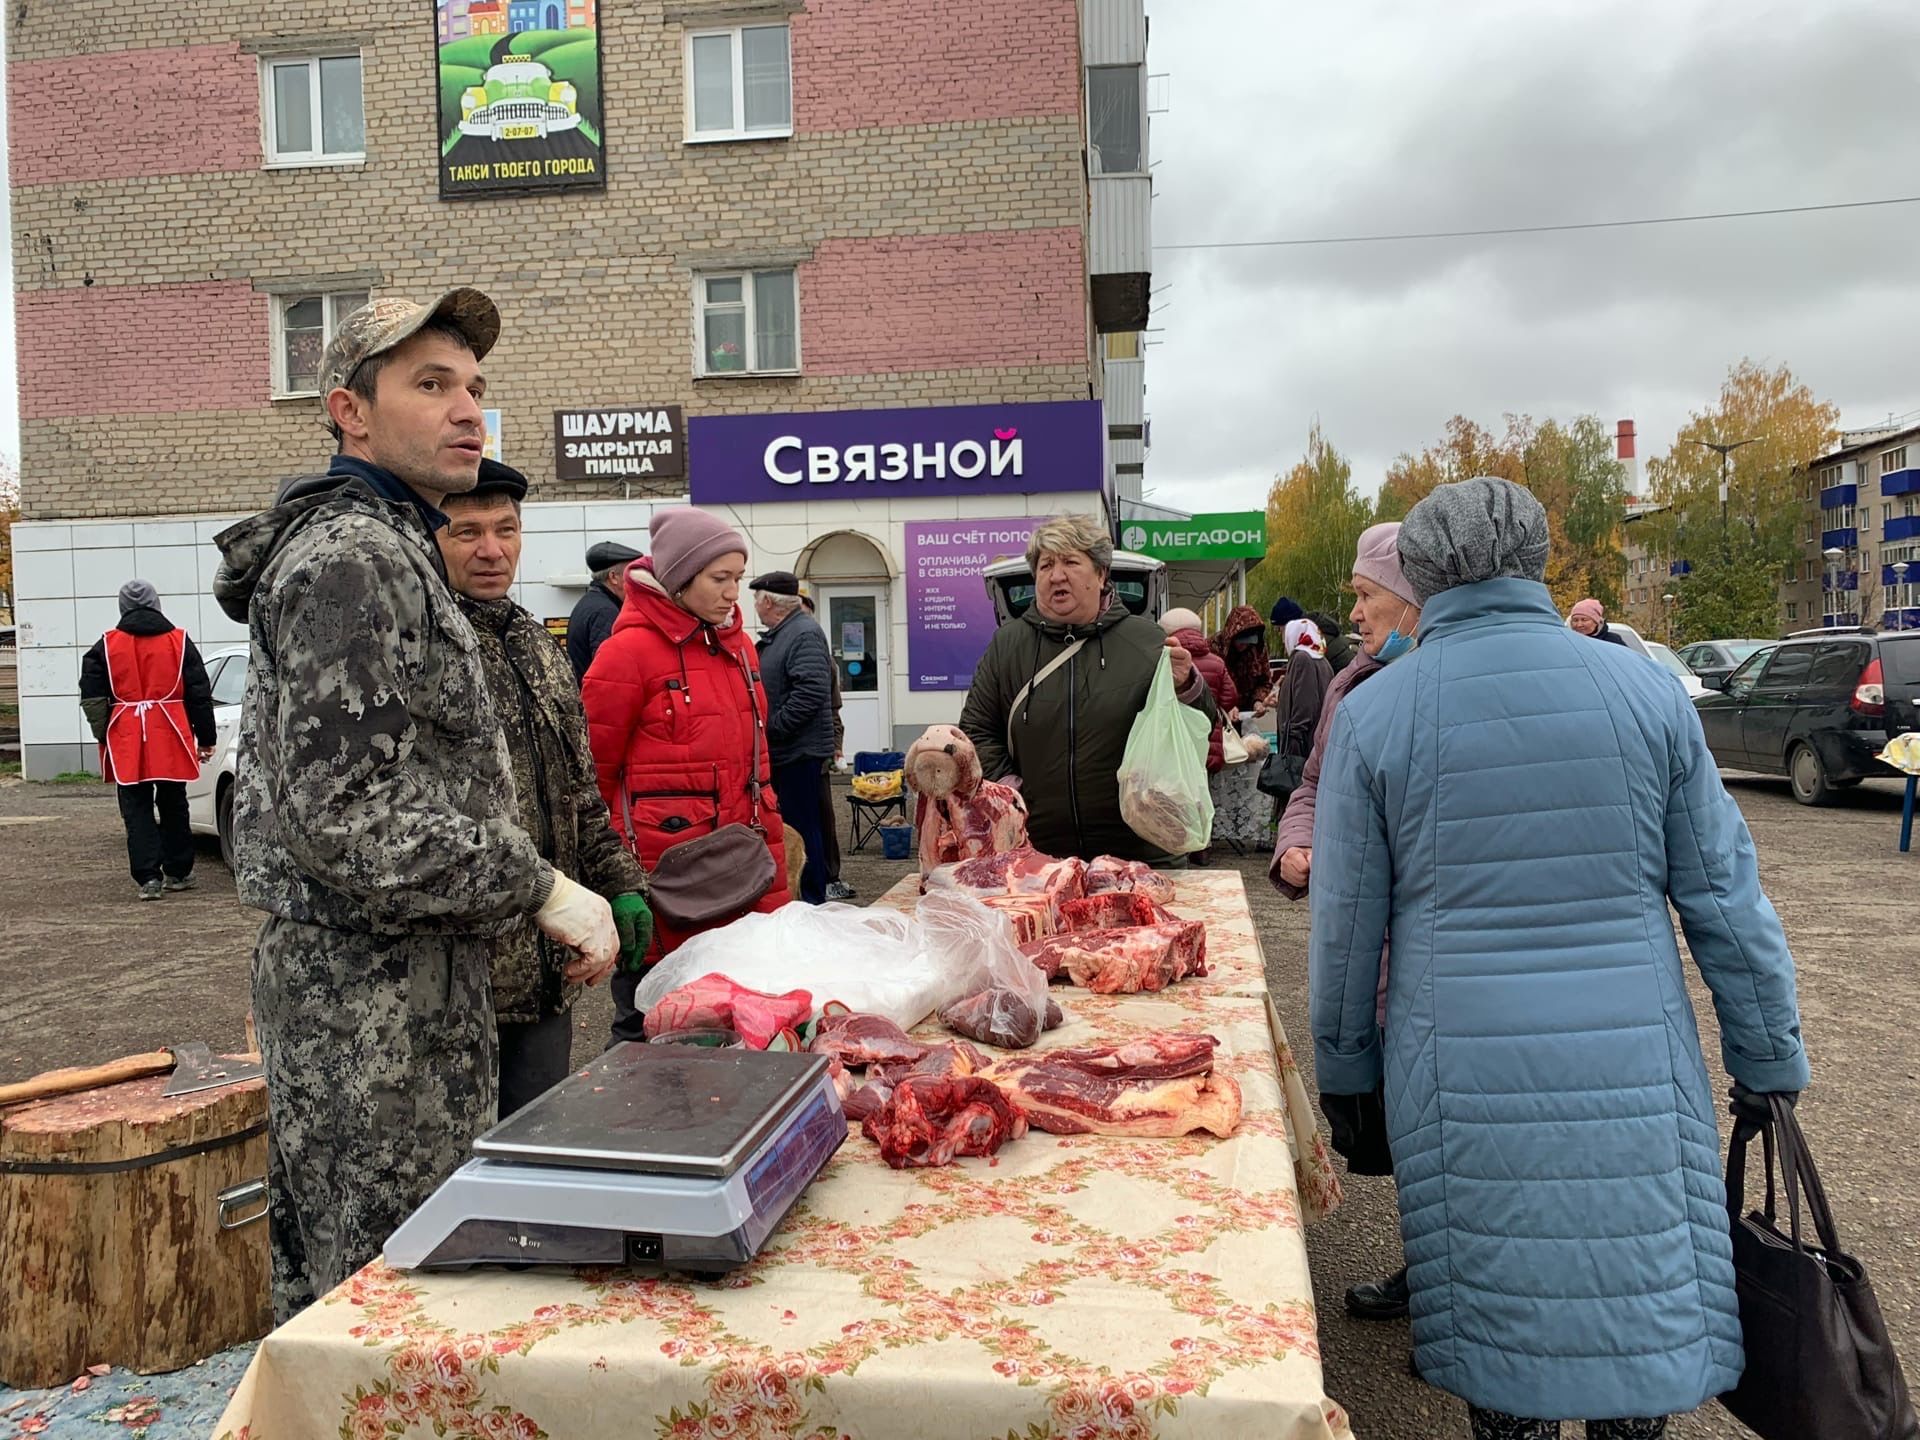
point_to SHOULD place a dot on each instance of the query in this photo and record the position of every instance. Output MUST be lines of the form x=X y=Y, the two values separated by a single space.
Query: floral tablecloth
x=1069 y=1287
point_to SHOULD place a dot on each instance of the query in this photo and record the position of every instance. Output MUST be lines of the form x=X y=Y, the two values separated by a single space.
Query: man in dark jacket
x=797 y=669
x=145 y=693
x=374 y=811
x=837 y=889
x=560 y=804
x=592 y=619
x=1055 y=696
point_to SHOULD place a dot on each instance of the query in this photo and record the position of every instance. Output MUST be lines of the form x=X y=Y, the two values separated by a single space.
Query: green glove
x=634 y=921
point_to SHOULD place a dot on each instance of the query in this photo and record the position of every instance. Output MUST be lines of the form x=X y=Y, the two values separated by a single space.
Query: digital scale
x=670 y=1155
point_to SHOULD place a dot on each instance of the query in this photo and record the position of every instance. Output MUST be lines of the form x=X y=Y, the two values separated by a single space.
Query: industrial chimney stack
x=1625 y=452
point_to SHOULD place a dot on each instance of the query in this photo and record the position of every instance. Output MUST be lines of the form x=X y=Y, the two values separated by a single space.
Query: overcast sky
x=1365 y=116
x=1368 y=116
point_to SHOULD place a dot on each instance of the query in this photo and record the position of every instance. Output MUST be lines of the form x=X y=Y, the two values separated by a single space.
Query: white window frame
x=308 y=159
x=331 y=314
x=746 y=279
x=1093 y=151
x=739 y=131
x=1893 y=460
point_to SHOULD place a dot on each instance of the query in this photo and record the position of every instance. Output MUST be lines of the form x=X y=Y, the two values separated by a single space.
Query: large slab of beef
x=864 y=1040
x=1108 y=873
x=1033 y=917
x=1156 y=1086
x=1125 y=961
x=1023 y=872
x=960 y=814
x=931 y=1119
x=1110 y=910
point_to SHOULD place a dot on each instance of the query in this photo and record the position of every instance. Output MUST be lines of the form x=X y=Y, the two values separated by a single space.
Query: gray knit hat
x=1473 y=530
x=138 y=595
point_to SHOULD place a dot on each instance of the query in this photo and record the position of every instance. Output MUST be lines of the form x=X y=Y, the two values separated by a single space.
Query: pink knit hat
x=1378 y=560
x=686 y=541
x=1593 y=610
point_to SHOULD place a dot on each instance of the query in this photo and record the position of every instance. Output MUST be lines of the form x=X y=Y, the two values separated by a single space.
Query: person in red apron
x=145 y=694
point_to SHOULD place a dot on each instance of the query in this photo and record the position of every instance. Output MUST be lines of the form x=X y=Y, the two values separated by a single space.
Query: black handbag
x=1819 y=1362
x=1280 y=774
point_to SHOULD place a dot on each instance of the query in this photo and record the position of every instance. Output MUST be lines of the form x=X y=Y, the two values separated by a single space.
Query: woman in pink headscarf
x=1589 y=617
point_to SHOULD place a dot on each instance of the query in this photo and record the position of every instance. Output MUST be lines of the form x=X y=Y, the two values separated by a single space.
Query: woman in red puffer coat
x=677 y=716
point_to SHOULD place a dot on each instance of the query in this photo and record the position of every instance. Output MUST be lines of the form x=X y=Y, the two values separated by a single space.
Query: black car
x=1817 y=708
x=1714 y=660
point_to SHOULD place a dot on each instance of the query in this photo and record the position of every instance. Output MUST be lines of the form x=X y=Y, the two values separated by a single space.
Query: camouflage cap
x=376 y=328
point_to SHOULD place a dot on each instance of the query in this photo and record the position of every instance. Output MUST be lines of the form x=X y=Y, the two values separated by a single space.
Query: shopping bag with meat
x=960 y=814
x=1163 y=771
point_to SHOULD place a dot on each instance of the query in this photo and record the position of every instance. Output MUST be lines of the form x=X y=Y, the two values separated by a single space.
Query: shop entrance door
x=855 y=619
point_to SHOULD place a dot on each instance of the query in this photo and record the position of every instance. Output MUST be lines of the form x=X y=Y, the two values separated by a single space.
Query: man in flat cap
x=537 y=701
x=374 y=811
x=797 y=669
x=592 y=619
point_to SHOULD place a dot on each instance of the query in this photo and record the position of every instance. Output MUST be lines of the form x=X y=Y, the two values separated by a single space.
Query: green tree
x=1572 y=469
x=1314 y=520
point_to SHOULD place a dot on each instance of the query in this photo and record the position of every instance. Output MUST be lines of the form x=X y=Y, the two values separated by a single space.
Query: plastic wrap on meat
x=1110 y=910
x=960 y=815
x=1109 y=873
x=931 y=1119
x=864 y=1040
x=999 y=1017
x=1157 y=1086
x=714 y=1002
x=1125 y=961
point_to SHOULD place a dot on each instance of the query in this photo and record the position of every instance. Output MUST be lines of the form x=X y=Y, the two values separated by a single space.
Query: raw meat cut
x=714 y=1002
x=1108 y=873
x=952 y=1057
x=1032 y=916
x=866 y=1100
x=930 y=1119
x=864 y=1040
x=1110 y=910
x=1160 y=1085
x=1001 y=1017
x=1125 y=961
x=960 y=814
x=1023 y=872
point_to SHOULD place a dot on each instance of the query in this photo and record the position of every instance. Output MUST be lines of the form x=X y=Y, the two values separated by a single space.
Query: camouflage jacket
x=373 y=792
x=533 y=691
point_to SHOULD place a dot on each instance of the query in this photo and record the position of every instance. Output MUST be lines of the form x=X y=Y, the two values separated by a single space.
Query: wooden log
x=111 y=1244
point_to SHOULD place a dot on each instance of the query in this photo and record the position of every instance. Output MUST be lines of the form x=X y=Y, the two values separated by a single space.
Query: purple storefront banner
x=949 y=613
x=1042 y=448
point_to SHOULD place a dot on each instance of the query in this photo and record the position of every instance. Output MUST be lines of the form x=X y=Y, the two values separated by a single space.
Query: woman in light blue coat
x=1518 y=807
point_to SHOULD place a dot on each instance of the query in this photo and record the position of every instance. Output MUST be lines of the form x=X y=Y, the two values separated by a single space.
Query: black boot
x=1380 y=1299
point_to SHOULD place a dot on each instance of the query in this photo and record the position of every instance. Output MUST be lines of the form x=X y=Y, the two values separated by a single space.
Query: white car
x=1664 y=657
x=210 y=798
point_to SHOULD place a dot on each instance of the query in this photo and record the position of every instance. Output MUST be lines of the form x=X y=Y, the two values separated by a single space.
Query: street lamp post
x=1724 y=449
x=1667 y=599
x=1833 y=555
x=1900 y=597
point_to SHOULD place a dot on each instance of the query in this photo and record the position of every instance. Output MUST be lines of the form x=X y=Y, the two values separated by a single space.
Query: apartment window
x=312 y=110
x=1114 y=124
x=1123 y=345
x=1793 y=610
x=1806 y=571
x=748 y=323
x=302 y=326
x=1809 y=535
x=739 y=83
x=1893 y=460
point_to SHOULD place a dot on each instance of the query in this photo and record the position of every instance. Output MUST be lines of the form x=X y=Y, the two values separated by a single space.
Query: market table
x=1072 y=1286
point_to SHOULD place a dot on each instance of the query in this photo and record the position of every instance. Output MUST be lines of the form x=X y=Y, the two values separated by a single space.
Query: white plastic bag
x=1002 y=995
x=871 y=960
x=1163 y=771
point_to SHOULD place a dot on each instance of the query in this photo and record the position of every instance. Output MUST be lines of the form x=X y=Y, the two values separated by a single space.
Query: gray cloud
x=1396 y=115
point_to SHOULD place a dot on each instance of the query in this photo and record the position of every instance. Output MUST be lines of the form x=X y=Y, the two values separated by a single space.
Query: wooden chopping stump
x=112 y=1246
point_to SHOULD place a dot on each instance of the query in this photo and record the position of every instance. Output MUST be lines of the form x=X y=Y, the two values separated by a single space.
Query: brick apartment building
x=870 y=274
x=1862 y=526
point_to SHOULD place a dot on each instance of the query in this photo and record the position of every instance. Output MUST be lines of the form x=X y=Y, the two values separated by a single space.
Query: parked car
x=1664 y=657
x=210 y=798
x=1715 y=659
x=1817 y=708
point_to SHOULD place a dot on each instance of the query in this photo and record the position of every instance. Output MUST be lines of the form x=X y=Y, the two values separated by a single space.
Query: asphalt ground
x=92 y=974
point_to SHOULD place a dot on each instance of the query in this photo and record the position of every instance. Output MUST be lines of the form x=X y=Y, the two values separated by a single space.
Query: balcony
x=1908 y=619
x=1120 y=250
x=1126 y=399
x=1842 y=617
x=1900 y=482
x=1887 y=577
x=1901 y=527
x=1850 y=580
x=1847 y=539
x=1680 y=567
x=1113 y=32
x=1834 y=497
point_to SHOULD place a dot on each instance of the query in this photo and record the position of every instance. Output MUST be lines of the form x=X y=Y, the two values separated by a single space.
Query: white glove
x=583 y=921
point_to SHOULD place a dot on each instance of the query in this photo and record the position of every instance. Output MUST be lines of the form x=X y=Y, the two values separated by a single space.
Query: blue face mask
x=1396 y=645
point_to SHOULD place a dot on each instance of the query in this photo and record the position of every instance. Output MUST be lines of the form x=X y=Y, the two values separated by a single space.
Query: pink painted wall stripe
x=142 y=349
x=996 y=299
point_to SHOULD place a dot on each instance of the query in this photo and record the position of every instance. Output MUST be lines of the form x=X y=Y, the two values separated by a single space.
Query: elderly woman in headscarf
x=1589 y=617
x=1303 y=688
x=1519 y=808
x=1242 y=643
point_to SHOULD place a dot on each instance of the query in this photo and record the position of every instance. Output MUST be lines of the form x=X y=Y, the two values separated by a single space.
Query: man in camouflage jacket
x=374 y=808
x=534 y=696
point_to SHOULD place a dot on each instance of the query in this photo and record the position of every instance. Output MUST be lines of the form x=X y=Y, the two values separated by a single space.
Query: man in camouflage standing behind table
x=374 y=816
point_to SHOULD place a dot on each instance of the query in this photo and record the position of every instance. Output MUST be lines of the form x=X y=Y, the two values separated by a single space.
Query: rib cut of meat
x=1125 y=961
x=1002 y=1017
x=1108 y=873
x=1110 y=910
x=1149 y=1087
x=930 y=1119
x=960 y=814
x=864 y=1040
